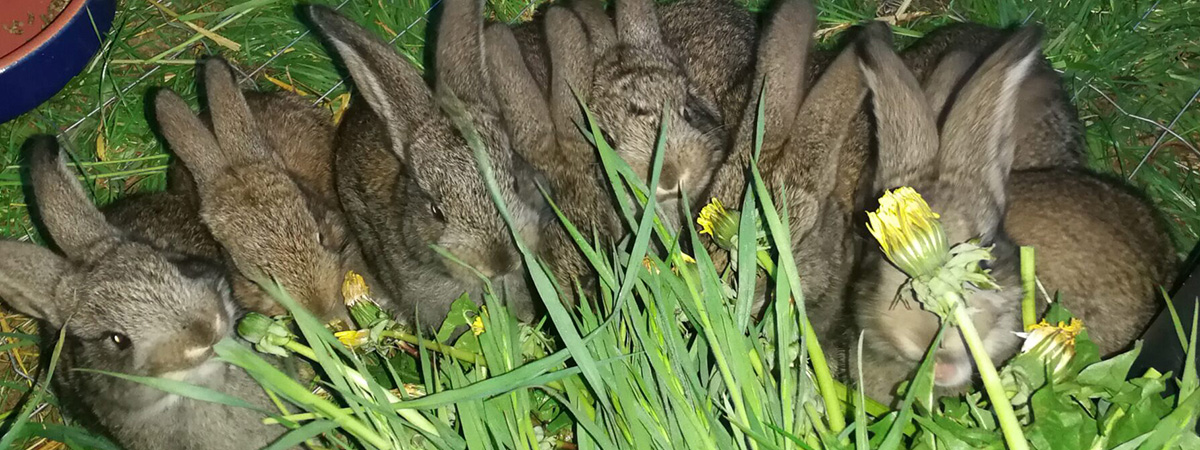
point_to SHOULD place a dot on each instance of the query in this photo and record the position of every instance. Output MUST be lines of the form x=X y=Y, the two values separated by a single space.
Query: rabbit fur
x=131 y=308
x=540 y=67
x=693 y=55
x=271 y=222
x=408 y=180
x=959 y=149
x=805 y=131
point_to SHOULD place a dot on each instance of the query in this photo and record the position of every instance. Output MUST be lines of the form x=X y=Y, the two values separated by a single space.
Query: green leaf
x=457 y=317
x=182 y=389
x=1110 y=374
x=298 y=436
x=922 y=382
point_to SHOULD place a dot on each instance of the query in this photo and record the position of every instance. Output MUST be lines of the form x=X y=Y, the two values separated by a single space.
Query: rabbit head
x=961 y=165
x=127 y=308
x=407 y=177
x=267 y=225
x=633 y=77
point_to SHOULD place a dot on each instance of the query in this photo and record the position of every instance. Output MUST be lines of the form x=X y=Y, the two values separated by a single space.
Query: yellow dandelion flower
x=1054 y=344
x=477 y=326
x=353 y=338
x=354 y=288
x=720 y=223
x=909 y=232
x=357 y=296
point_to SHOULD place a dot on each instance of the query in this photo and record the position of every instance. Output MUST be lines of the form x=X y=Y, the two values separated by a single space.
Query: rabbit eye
x=437 y=212
x=120 y=340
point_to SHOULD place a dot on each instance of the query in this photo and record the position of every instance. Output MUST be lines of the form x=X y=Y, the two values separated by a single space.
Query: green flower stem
x=991 y=380
x=457 y=353
x=825 y=383
x=1029 y=284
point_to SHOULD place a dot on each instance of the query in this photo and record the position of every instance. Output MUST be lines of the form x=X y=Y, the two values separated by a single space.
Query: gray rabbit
x=408 y=180
x=696 y=55
x=806 y=126
x=269 y=222
x=962 y=171
x=955 y=141
x=128 y=307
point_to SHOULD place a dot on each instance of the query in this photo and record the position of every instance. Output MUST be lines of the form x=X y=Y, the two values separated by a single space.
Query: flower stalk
x=913 y=239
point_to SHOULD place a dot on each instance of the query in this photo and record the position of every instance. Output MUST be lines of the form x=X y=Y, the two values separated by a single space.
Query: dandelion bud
x=720 y=223
x=1054 y=345
x=267 y=334
x=365 y=312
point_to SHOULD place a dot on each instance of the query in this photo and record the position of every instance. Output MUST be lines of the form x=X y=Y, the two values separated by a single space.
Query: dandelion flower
x=909 y=233
x=720 y=223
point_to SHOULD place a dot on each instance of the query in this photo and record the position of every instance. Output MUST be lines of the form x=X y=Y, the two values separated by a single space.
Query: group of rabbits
x=265 y=188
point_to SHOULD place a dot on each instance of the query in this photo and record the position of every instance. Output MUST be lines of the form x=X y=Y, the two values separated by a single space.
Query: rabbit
x=694 y=55
x=962 y=170
x=268 y=226
x=408 y=180
x=1099 y=243
x=129 y=308
x=712 y=40
x=805 y=130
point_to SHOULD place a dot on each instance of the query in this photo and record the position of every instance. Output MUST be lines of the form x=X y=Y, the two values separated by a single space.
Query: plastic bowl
x=34 y=70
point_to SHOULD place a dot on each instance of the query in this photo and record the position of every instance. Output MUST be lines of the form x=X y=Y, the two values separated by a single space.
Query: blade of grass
x=23 y=418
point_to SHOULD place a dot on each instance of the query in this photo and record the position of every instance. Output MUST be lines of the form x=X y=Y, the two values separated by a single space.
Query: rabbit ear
x=597 y=24
x=637 y=25
x=822 y=125
x=238 y=138
x=71 y=219
x=977 y=138
x=782 y=66
x=460 y=63
x=29 y=275
x=945 y=79
x=906 y=126
x=391 y=87
x=187 y=136
x=570 y=69
x=522 y=105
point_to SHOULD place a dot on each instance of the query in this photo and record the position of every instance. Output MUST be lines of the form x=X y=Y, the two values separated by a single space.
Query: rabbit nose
x=670 y=181
x=501 y=261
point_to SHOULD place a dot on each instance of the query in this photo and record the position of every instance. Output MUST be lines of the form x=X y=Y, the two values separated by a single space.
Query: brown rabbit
x=708 y=44
x=696 y=57
x=1099 y=242
x=408 y=180
x=805 y=131
x=267 y=225
x=128 y=308
x=962 y=170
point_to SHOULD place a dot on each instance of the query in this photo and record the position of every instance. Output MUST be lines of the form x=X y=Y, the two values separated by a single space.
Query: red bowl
x=41 y=51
